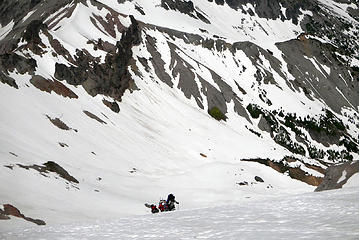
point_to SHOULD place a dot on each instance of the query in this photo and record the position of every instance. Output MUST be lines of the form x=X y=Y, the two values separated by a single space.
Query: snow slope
x=325 y=215
x=161 y=141
x=163 y=149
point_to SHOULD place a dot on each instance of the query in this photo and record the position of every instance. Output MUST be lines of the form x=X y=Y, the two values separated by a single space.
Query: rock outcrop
x=186 y=7
x=10 y=210
x=52 y=86
x=293 y=172
x=337 y=175
x=111 y=78
x=51 y=166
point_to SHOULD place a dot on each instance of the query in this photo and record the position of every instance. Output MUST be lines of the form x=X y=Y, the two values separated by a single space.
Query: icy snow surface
x=322 y=215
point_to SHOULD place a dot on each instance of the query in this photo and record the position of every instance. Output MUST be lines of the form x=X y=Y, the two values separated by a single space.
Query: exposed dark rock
x=10 y=62
x=182 y=69
x=112 y=105
x=33 y=3
x=8 y=80
x=10 y=210
x=49 y=86
x=354 y=13
x=144 y=63
x=264 y=125
x=271 y=9
x=51 y=166
x=186 y=76
x=110 y=23
x=31 y=34
x=156 y=61
x=258 y=179
x=58 y=123
x=254 y=52
x=93 y=116
x=15 y=10
x=59 y=48
x=297 y=52
x=140 y=9
x=243 y=183
x=66 y=12
x=63 y=144
x=335 y=173
x=295 y=173
x=133 y=170
x=186 y=7
x=254 y=132
x=202 y=18
x=13 y=154
x=54 y=167
x=110 y=78
x=3 y=216
x=9 y=166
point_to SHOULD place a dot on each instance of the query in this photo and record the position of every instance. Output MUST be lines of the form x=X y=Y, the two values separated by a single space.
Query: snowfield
x=162 y=139
x=321 y=215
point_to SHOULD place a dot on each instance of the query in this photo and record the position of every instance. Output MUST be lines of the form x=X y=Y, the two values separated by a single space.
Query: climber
x=171 y=202
x=154 y=209
x=162 y=206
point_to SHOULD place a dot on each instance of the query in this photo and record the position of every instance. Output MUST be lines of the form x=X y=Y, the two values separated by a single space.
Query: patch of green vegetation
x=283 y=139
x=339 y=156
x=217 y=114
x=347 y=25
x=254 y=110
x=289 y=121
x=347 y=156
x=331 y=124
x=271 y=121
x=349 y=145
x=332 y=155
x=310 y=29
x=355 y=69
x=316 y=153
x=328 y=124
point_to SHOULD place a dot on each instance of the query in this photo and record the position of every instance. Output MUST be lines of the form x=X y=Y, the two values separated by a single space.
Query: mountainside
x=110 y=104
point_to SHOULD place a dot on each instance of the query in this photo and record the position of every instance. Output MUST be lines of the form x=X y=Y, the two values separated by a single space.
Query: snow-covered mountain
x=106 y=105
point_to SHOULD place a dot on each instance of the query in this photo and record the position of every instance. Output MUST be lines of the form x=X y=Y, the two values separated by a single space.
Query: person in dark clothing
x=171 y=200
x=154 y=209
x=162 y=206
